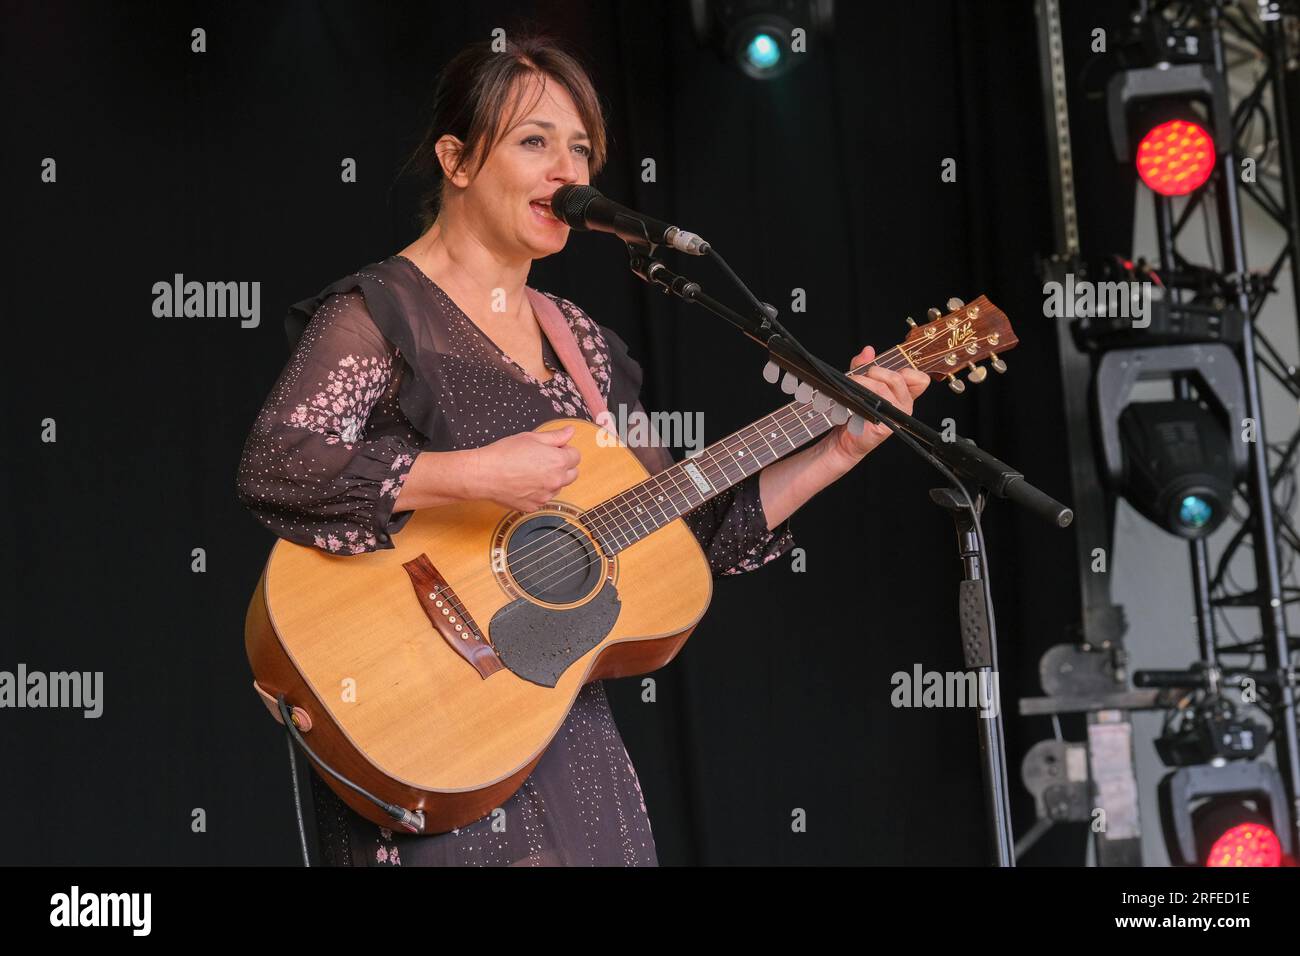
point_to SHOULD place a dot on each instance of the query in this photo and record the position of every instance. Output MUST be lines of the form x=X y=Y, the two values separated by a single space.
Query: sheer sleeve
x=317 y=468
x=732 y=529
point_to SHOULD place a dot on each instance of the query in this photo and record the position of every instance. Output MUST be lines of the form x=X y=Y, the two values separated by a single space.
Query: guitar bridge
x=449 y=618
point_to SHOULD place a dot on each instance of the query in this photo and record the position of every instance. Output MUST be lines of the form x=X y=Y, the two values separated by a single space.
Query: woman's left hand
x=899 y=388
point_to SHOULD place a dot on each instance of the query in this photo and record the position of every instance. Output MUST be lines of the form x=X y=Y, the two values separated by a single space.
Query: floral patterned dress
x=385 y=365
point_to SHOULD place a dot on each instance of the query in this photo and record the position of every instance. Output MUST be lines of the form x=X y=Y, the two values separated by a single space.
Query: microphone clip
x=642 y=261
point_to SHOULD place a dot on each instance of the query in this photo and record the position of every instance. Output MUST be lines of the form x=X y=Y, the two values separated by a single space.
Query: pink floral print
x=340 y=410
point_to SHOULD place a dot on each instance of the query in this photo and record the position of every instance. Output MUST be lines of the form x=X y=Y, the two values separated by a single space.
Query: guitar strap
x=557 y=331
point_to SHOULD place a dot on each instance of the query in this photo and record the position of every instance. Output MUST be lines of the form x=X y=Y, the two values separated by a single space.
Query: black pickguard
x=539 y=643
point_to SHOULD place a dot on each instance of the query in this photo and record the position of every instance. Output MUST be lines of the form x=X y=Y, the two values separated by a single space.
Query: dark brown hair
x=476 y=92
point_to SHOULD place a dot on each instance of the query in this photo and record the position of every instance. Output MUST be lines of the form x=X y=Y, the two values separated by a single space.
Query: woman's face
x=547 y=148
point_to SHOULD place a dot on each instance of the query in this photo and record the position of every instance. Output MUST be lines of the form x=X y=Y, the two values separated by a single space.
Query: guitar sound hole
x=552 y=560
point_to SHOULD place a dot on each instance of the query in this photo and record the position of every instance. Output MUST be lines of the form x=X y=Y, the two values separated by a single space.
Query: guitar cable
x=412 y=820
x=297 y=799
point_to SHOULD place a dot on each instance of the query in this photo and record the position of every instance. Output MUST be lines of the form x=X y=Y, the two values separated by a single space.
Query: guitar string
x=582 y=562
x=605 y=524
x=682 y=488
x=628 y=505
x=617 y=510
x=794 y=412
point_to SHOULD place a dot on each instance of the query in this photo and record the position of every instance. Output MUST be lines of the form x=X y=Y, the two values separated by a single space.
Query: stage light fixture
x=763 y=52
x=1175 y=157
x=1178 y=465
x=1231 y=814
x=1236 y=836
x=1161 y=119
x=760 y=46
x=759 y=36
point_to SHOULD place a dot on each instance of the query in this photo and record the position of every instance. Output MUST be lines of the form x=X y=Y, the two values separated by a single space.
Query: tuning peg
x=999 y=366
x=771 y=371
x=803 y=393
x=789 y=383
x=955 y=303
x=933 y=314
x=911 y=322
x=956 y=384
x=977 y=373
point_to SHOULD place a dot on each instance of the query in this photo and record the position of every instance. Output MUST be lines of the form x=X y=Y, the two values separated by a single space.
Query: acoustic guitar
x=432 y=676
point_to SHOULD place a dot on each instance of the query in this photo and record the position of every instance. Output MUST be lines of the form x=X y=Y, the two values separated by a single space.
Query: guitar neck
x=621 y=521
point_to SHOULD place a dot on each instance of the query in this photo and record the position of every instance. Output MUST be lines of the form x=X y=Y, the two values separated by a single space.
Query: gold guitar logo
x=961 y=335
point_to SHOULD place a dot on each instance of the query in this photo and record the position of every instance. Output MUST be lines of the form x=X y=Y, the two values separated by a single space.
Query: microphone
x=583 y=208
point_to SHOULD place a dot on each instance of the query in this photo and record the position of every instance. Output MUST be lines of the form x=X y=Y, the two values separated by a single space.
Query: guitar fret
x=676 y=494
x=786 y=435
x=631 y=515
x=595 y=520
x=685 y=487
x=723 y=465
x=615 y=528
x=622 y=516
x=659 y=499
x=630 y=512
x=775 y=456
x=641 y=501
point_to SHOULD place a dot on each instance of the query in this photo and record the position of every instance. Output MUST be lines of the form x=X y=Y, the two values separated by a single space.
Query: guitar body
x=451 y=721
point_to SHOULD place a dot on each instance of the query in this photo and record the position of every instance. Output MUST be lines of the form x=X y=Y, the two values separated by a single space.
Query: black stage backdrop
x=225 y=166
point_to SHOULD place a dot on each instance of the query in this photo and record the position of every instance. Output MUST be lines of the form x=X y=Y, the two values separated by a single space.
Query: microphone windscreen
x=569 y=204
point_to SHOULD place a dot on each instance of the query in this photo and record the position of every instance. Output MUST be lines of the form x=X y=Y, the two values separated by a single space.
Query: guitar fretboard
x=621 y=521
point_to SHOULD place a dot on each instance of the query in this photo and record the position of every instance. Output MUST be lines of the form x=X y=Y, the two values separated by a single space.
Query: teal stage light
x=763 y=52
x=1195 y=512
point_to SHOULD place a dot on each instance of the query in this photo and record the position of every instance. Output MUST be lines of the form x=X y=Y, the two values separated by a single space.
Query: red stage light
x=1175 y=158
x=1246 y=844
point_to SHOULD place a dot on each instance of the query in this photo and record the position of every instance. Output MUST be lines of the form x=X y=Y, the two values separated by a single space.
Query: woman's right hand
x=525 y=471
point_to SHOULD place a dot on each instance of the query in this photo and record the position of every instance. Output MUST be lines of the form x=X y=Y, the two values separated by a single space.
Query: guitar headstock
x=958 y=341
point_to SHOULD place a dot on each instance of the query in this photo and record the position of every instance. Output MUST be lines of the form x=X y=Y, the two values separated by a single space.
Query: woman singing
x=410 y=387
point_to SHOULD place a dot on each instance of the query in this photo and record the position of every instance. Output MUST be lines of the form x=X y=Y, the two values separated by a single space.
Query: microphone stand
x=961 y=462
